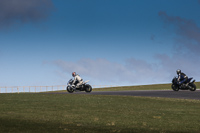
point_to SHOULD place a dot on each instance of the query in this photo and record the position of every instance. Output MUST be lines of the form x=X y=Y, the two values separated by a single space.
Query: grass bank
x=88 y=113
x=140 y=87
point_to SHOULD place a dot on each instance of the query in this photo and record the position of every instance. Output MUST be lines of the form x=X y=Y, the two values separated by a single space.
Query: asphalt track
x=186 y=94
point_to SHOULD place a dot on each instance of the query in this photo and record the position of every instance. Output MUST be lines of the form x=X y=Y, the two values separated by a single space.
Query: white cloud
x=186 y=46
x=133 y=72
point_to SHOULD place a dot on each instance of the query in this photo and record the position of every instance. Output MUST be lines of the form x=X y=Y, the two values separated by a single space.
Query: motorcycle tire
x=175 y=87
x=69 y=89
x=88 y=88
x=193 y=87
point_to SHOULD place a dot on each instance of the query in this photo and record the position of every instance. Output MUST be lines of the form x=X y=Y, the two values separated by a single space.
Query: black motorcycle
x=187 y=85
x=84 y=87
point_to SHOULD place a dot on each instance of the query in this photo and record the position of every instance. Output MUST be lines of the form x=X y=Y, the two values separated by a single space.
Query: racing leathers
x=77 y=81
x=182 y=78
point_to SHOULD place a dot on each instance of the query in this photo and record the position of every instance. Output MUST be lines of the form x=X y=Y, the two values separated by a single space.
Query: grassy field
x=140 y=87
x=91 y=113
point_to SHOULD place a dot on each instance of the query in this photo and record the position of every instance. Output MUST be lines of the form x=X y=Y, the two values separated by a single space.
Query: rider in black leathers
x=181 y=77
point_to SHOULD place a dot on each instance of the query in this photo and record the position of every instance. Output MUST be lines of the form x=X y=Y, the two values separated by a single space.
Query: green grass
x=140 y=87
x=92 y=113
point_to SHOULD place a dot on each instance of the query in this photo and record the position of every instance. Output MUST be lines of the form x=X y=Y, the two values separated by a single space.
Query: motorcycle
x=187 y=85
x=84 y=87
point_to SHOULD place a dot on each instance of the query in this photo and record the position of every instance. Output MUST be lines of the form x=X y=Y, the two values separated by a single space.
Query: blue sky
x=109 y=42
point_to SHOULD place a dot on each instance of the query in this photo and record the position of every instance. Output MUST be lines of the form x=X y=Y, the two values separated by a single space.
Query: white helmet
x=178 y=71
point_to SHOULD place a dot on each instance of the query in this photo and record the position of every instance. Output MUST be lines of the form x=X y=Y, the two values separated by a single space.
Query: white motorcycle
x=84 y=87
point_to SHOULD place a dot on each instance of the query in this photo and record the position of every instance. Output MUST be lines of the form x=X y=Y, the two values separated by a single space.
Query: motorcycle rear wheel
x=193 y=87
x=175 y=87
x=88 y=88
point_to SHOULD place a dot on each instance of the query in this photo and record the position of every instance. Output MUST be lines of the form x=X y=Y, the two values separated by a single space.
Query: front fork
x=72 y=87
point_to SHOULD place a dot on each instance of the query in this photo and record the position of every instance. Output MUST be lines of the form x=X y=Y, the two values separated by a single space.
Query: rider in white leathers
x=77 y=80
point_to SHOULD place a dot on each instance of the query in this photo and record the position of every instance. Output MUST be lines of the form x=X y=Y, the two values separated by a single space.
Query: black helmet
x=178 y=71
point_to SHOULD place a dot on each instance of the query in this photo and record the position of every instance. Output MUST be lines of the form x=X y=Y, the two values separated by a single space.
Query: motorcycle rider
x=181 y=77
x=78 y=81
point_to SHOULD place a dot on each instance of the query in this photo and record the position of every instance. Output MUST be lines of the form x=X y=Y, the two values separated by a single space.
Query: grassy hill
x=42 y=112
x=140 y=87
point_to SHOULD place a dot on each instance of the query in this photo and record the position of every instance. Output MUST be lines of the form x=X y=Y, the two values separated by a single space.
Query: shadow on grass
x=16 y=125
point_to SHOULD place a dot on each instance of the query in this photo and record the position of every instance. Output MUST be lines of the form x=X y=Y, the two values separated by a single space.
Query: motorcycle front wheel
x=70 y=89
x=175 y=87
x=88 y=88
x=192 y=87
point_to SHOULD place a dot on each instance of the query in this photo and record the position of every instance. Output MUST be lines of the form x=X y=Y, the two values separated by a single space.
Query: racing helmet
x=178 y=71
x=74 y=74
